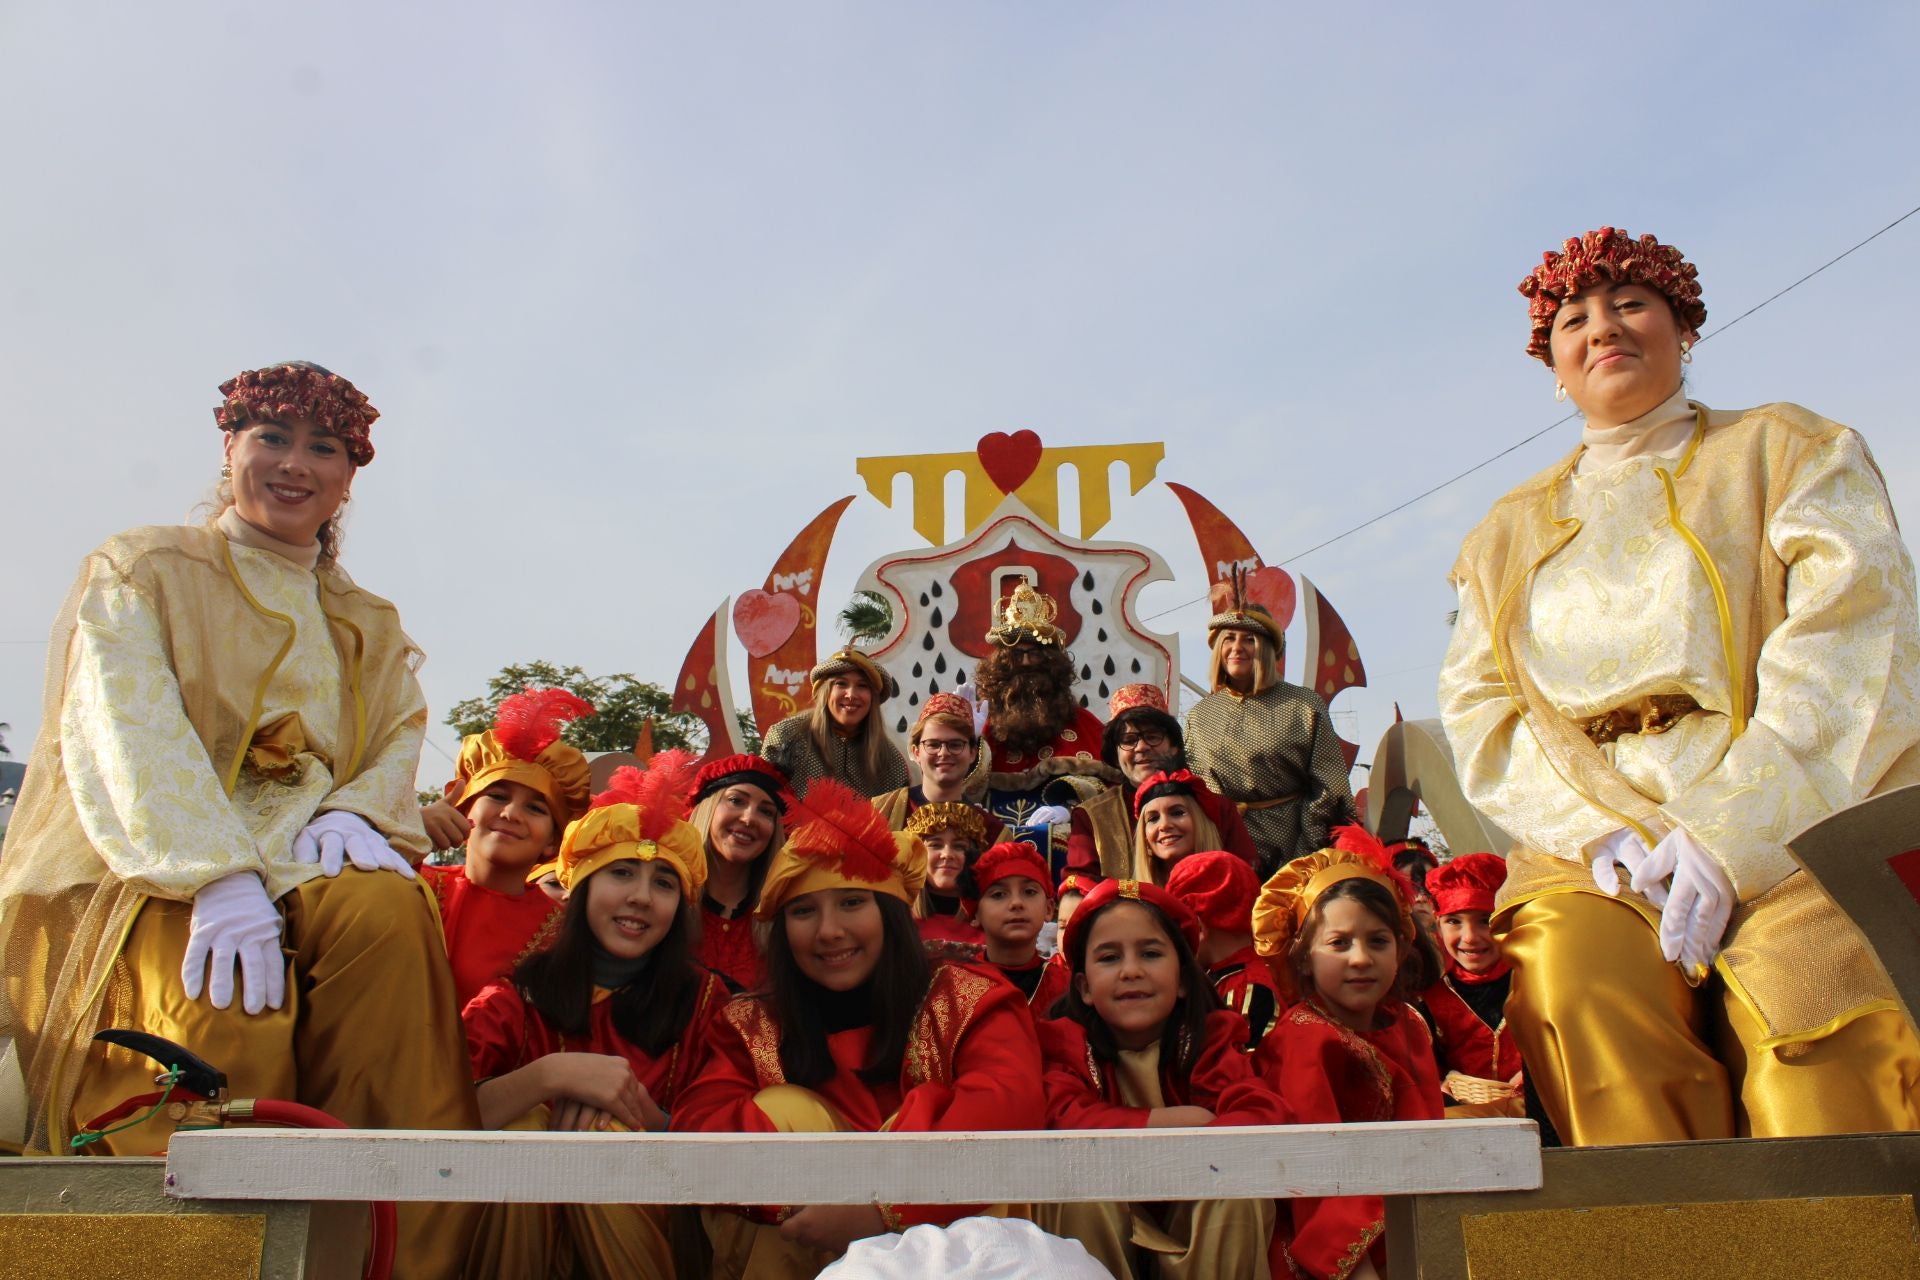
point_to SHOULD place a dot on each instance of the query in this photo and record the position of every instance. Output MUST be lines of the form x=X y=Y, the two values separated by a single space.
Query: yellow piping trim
x=1828 y=1028
x=1570 y=525
x=1736 y=681
x=359 y=702
x=56 y=1124
x=232 y=778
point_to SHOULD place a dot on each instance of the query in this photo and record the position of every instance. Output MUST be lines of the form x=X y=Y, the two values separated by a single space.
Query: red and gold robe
x=727 y=946
x=505 y=1033
x=972 y=1063
x=1055 y=977
x=1330 y=1074
x=1085 y=1094
x=1463 y=1042
x=1079 y=740
x=1245 y=985
x=488 y=932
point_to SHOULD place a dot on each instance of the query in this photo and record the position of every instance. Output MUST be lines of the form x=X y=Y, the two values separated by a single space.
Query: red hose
x=385 y=1225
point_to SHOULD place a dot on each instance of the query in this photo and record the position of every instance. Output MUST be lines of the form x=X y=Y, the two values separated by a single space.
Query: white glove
x=1047 y=815
x=336 y=836
x=1696 y=911
x=1624 y=848
x=978 y=704
x=234 y=920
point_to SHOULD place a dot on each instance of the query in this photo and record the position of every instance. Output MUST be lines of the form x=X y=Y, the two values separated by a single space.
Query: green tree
x=867 y=616
x=622 y=703
x=5 y=729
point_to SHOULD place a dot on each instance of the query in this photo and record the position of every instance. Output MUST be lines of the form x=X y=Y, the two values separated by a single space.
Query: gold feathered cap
x=1288 y=897
x=524 y=746
x=641 y=815
x=837 y=840
x=1028 y=612
x=1237 y=613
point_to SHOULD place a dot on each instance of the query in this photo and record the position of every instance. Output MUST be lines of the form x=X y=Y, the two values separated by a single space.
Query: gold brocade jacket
x=205 y=700
x=1767 y=671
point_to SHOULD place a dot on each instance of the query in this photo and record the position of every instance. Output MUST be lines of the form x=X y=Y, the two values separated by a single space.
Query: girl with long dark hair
x=825 y=1047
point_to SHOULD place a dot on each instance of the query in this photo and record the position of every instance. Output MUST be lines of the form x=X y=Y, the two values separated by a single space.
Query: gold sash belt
x=1655 y=714
x=1248 y=806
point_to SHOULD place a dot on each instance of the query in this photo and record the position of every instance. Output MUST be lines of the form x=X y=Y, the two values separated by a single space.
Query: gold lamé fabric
x=178 y=667
x=1601 y=605
x=1277 y=744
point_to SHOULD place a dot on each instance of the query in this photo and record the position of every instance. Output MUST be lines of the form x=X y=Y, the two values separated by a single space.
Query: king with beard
x=1045 y=745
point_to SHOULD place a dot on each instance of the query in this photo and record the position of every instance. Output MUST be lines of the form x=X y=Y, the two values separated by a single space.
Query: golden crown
x=1028 y=611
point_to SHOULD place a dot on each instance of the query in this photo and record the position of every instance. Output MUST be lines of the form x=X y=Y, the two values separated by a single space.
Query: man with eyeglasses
x=945 y=744
x=1141 y=739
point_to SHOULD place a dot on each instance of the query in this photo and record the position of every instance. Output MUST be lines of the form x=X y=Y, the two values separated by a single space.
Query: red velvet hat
x=1108 y=891
x=1467 y=883
x=1219 y=886
x=1180 y=782
x=1003 y=861
x=755 y=771
x=1079 y=882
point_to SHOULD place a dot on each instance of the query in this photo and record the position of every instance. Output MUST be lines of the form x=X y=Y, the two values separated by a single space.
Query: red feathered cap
x=1607 y=256
x=753 y=771
x=641 y=815
x=299 y=389
x=1467 y=883
x=1107 y=892
x=1219 y=886
x=838 y=840
x=524 y=746
x=1007 y=859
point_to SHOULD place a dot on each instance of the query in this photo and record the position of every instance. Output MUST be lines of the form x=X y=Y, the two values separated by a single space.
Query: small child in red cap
x=1480 y=1060
x=1220 y=888
x=1014 y=901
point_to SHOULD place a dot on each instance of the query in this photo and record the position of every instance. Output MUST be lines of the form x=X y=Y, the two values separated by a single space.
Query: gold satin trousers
x=368 y=1032
x=1183 y=1240
x=1622 y=1050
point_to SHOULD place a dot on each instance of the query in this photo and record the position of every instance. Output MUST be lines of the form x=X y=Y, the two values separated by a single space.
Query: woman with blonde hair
x=841 y=736
x=216 y=838
x=1175 y=816
x=740 y=811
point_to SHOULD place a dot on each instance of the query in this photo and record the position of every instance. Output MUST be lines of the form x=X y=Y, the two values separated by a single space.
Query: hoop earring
x=1686 y=353
x=1560 y=391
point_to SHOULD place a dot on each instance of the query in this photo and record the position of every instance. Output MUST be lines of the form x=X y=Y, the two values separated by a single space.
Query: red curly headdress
x=1610 y=257
x=837 y=839
x=300 y=389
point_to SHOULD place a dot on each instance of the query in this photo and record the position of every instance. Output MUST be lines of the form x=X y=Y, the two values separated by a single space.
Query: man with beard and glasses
x=1141 y=739
x=1044 y=744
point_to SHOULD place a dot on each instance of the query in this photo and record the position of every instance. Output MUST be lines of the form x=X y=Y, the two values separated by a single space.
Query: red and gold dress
x=488 y=932
x=972 y=1063
x=727 y=945
x=1330 y=1074
x=1189 y=1238
x=1245 y=985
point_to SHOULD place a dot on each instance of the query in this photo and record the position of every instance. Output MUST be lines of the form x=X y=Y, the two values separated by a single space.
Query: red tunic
x=1081 y=738
x=505 y=1033
x=727 y=947
x=487 y=932
x=1054 y=979
x=1464 y=1043
x=942 y=927
x=1084 y=1094
x=1246 y=986
x=972 y=1063
x=1330 y=1074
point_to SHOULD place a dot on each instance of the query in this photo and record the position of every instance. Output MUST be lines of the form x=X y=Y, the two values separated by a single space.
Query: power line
x=1428 y=493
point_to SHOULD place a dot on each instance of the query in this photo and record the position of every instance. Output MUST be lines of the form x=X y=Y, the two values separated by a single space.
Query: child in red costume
x=739 y=806
x=515 y=789
x=1144 y=1044
x=604 y=1029
x=1011 y=903
x=1220 y=888
x=1481 y=1062
x=1339 y=924
x=857 y=1029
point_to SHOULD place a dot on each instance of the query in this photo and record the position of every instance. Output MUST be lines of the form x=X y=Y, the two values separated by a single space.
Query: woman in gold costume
x=223 y=784
x=1677 y=648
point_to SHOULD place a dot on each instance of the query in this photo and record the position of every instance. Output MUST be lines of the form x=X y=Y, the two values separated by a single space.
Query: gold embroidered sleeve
x=383 y=791
x=147 y=796
x=1501 y=767
x=1833 y=702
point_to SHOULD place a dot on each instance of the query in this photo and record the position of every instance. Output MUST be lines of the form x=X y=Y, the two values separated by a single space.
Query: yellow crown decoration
x=1027 y=612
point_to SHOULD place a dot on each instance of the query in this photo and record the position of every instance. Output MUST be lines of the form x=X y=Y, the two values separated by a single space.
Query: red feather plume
x=1356 y=839
x=660 y=790
x=835 y=819
x=530 y=721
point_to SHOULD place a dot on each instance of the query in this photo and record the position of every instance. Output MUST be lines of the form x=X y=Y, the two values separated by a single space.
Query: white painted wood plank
x=856 y=1168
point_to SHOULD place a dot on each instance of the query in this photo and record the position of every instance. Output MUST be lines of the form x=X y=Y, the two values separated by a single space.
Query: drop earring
x=226 y=471
x=1560 y=391
x=1686 y=353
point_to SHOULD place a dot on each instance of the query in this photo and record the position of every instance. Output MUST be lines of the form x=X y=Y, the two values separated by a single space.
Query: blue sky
x=633 y=285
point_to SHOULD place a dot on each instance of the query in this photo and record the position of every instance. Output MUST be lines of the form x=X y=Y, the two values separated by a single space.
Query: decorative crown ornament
x=1027 y=611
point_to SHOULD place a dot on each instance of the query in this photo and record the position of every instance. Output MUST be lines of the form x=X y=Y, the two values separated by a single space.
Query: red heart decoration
x=765 y=620
x=1009 y=459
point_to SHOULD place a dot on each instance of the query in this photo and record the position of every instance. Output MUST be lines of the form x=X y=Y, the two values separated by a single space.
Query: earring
x=1686 y=353
x=1560 y=391
x=345 y=498
x=226 y=471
